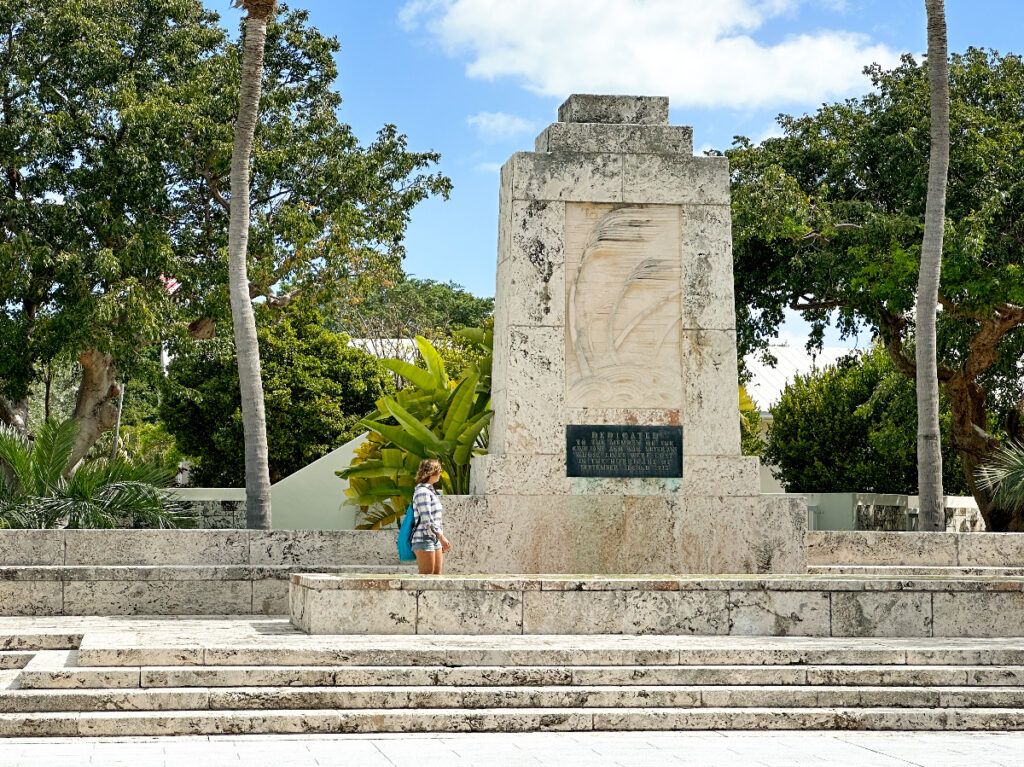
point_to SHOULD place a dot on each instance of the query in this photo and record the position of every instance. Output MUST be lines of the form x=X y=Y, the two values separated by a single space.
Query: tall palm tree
x=929 y=452
x=254 y=421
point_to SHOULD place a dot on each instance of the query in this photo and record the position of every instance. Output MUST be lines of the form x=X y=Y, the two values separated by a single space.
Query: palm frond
x=15 y=463
x=1004 y=475
x=50 y=454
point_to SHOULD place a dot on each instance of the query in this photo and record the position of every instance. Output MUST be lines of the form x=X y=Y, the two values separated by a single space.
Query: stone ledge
x=138 y=548
x=738 y=605
x=176 y=572
x=914 y=549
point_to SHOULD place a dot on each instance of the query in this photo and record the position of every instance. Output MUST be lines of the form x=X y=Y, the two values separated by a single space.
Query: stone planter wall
x=173 y=572
x=772 y=606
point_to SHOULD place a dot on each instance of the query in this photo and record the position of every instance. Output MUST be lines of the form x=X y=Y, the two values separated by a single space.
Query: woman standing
x=428 y=541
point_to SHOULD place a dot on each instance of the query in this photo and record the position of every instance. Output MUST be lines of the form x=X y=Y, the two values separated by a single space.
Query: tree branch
x=892 y=327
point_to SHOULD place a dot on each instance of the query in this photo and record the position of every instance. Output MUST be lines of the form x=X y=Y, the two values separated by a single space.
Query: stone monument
x=615 y=442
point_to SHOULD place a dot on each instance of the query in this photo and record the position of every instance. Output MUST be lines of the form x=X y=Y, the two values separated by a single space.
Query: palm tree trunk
x=254 y=422
x=929 y=453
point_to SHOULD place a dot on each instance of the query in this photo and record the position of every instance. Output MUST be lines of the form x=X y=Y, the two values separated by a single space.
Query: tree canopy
x=317 y=389
x=115 y=146
x=828 y=220
x=851 y=428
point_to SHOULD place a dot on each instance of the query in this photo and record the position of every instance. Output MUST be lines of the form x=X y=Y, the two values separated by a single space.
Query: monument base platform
x=592 y=533
x=794 y=605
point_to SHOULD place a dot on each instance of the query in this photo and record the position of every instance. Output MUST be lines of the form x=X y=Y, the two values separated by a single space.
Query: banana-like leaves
x=433 y=418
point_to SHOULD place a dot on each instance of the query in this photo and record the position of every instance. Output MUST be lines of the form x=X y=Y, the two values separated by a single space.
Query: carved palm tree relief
x=623 y=306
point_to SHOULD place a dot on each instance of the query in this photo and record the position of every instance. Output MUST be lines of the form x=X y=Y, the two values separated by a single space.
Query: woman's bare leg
x=425 y=561
x=438 y=561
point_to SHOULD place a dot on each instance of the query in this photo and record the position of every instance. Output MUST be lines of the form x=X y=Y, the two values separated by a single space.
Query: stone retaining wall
x=773 y=606
x=915 y=549
x=173 y=572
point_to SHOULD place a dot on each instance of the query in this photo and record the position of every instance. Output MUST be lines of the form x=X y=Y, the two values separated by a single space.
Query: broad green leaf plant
x=433 y=417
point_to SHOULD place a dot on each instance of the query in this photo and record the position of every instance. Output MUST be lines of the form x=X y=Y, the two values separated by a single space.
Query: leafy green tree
x=115 y=153
x=35 y=492
x=751 y=439
x=851 y=428
x=434 y=417
x=317 y=390
x=828 y=221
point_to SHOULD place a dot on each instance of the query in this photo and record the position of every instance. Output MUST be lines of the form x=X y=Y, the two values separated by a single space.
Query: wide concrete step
x=581 y=696
x=211 y=722
x=14 y=659
x=913 y=571
x=834 y=653
x=58 y=669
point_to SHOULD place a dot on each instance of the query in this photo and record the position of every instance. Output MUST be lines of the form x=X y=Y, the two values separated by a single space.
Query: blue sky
x=477 y=79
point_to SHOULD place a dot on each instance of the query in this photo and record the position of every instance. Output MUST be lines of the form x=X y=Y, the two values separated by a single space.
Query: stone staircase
x=159 y=677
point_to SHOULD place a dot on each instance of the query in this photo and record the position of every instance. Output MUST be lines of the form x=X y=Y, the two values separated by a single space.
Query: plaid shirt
x=426 y=506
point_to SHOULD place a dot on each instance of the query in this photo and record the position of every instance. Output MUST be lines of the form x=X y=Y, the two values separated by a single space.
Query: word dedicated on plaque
x=623 y=451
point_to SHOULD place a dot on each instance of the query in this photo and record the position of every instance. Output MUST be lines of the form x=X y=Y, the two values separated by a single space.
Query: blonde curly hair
x=428 y=468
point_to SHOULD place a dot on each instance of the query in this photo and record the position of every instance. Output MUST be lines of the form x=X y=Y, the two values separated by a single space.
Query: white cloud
x=497 y=126
x=698 y=53
x=489 y=167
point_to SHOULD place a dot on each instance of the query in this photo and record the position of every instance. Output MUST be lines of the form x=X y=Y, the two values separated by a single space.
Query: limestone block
x=312 y=548
x=31 y=597
x=530 y=402
x=569 y=177
x=634 y=110
x=158 y=597
x=779 y=613
x=574 y=612
x=985 y=614
x=533 y=427
x=717 y=475
x=562 y=534
x=676 y=612
x=755 y=534
x=470 y=612
x=711 y=423
x=519 y=474
x=673 y=179
x=990 y=550
x=156 y=547
x=609 y=137
x=355 y=611
x=882 y=614
x=881 y=548
x=708 y=300
x=31 y=547
x=531 y=277
x=270 y=597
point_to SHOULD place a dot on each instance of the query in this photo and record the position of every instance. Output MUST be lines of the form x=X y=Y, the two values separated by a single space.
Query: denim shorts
x=426 y=546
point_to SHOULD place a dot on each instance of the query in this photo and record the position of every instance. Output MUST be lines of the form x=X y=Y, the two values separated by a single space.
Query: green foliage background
x=852 y=427
x=317 y=389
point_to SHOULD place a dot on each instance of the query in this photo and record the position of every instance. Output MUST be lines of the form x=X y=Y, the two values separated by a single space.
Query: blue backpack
x=405 y=531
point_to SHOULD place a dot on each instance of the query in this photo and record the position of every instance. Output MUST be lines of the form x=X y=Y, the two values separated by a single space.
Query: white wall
x=313 y=498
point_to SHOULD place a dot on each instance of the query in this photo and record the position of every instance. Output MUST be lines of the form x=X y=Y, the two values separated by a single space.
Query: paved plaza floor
x=628 y=749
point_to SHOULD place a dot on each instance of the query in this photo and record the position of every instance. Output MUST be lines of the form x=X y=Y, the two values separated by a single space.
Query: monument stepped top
x=617 y=125
x=621 y=110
